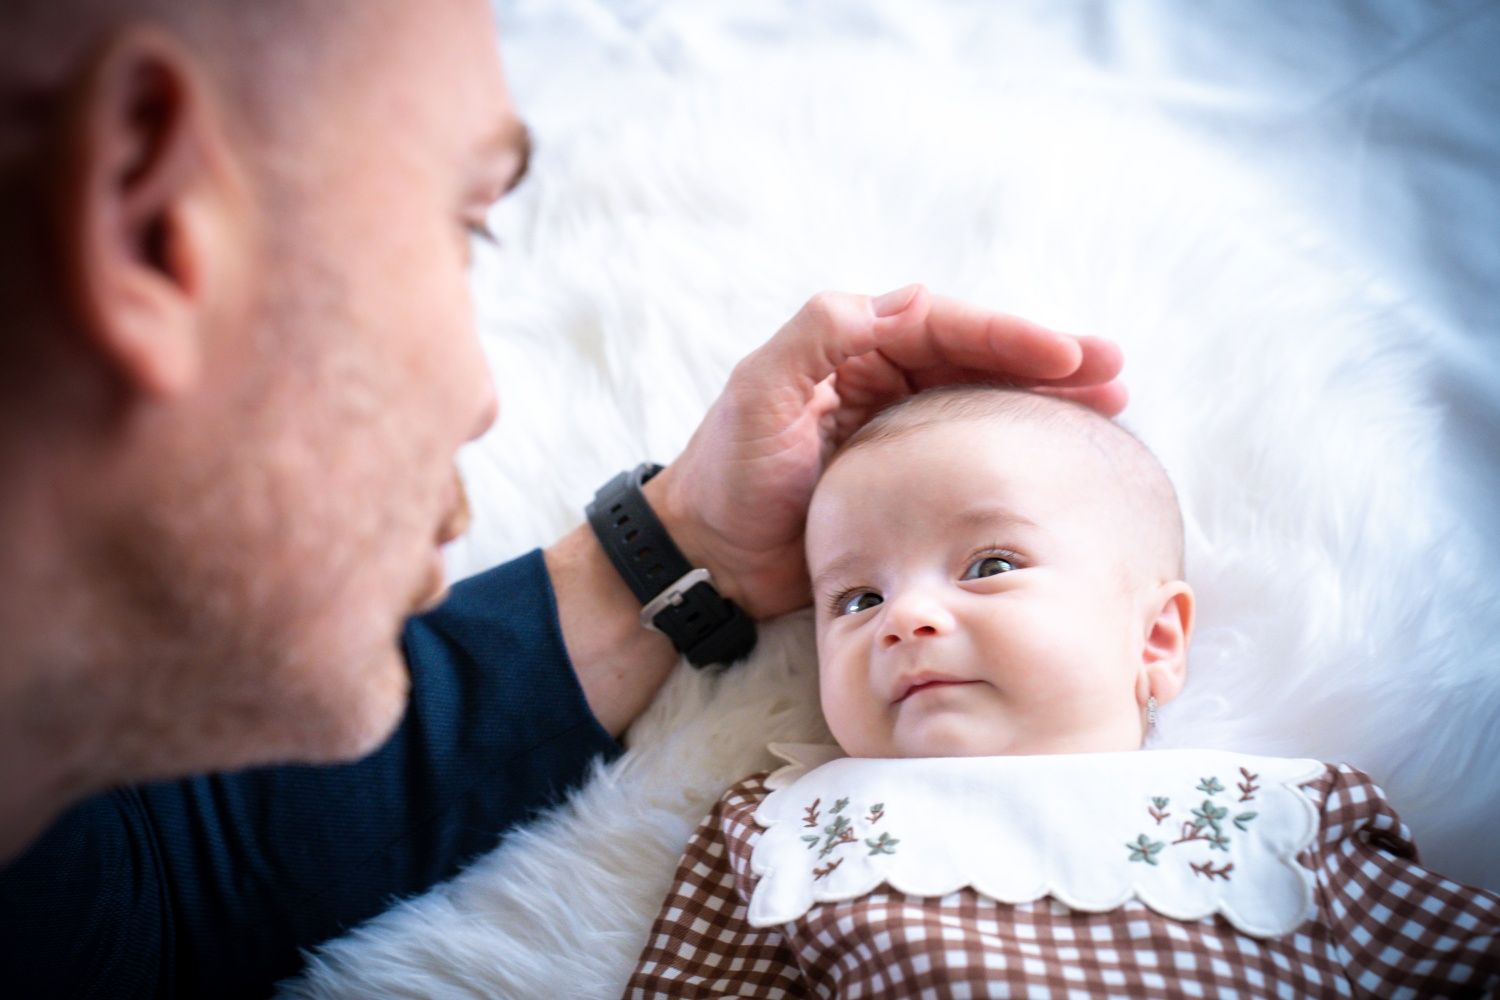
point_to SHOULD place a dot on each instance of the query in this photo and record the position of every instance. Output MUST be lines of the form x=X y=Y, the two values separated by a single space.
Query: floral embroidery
x=826 y=870
x=1207 y=825
x=1145 y=849
x=1158 y=809
x=1209 y=815
x=1208 y=870
x=841 y=831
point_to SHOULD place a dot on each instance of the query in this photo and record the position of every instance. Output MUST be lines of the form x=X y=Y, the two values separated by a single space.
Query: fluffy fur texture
x=1345 y=610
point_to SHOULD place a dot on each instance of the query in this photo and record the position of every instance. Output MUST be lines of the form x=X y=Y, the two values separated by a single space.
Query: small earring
x=1151 y=712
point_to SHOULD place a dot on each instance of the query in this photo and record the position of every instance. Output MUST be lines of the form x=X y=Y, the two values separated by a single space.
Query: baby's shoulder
x=1351 y=803
x=748 y=791
x=1342 y=786
x=733 y=816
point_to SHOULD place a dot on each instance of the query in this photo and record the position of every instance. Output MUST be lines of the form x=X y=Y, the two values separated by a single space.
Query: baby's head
x=995 y=572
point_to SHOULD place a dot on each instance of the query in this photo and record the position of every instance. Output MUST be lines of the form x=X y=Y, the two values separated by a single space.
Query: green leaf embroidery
x=1160 y=801
x=839 y=832
x=1145 y=849
x=885 y=845
x=1243 y=820
x=839 y=806
x=811 y=839
x=1211 y=786
x=1209 y=815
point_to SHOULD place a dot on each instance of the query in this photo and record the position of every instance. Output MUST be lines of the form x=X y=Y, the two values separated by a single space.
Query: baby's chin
x=937 y=738
x=952 y=738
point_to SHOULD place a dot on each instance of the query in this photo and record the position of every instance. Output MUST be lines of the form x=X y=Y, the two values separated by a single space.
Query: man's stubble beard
x=270 y=581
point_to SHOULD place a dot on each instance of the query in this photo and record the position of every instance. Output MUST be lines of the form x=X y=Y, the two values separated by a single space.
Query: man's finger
x=1102 y=362
x=962 y=335
x=1109 y=399
x=926 y=331
x=872 y=381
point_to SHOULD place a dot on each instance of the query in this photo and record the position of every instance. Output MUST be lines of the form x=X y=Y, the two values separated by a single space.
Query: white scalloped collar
x=1187 y=832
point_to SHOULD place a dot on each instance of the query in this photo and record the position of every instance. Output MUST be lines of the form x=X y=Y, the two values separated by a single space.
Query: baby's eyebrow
x=988 y=514
x=968 y=518
x=838 y=567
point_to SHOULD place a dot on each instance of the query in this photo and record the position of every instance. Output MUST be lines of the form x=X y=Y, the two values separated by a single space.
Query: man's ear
x=146 y=181
x=1168 y=628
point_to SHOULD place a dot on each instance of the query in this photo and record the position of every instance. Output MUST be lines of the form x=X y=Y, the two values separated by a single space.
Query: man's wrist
x=687 y=533
x=677 y=598
x=619 y=664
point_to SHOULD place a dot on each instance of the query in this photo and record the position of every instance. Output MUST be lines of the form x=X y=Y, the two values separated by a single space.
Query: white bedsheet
x=1289 y=214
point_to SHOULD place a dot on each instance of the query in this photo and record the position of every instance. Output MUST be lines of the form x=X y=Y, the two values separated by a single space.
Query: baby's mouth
x=918 y=683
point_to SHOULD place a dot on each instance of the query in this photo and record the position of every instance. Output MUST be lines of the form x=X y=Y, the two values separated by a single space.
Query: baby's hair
x=1146 y=504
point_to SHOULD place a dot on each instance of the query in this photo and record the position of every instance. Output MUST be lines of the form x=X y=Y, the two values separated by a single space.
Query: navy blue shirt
x=209 y=886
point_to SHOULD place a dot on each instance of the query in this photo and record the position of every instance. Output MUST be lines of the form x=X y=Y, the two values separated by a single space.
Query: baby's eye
x=855 y=602
x=988 y=566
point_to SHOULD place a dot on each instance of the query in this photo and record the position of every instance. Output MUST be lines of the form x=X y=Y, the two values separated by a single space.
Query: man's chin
x=431 y=599
x=360 y=719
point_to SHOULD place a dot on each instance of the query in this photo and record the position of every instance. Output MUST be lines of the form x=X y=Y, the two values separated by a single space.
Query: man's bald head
x=1137 y=492
x=266 y=67
x=273 y=59
x=260 y=49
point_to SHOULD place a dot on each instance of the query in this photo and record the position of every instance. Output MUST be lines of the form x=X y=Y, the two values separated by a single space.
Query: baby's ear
x=1168 y=627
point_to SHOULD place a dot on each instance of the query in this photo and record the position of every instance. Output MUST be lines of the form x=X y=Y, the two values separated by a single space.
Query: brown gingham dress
x=1384 y=927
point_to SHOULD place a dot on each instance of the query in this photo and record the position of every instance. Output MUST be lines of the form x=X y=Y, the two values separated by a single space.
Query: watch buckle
x=672 y=596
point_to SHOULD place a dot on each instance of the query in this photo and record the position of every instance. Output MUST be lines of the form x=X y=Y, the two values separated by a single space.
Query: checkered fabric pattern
x=1385 y=927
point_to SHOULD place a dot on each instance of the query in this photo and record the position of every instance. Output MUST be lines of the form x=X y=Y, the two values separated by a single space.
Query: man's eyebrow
x=512 y=140
x=523 y=157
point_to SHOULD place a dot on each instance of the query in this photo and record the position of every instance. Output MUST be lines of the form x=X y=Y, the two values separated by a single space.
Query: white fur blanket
x=686 y=200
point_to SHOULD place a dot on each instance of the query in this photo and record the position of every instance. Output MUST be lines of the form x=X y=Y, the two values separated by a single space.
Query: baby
x=1000 y=610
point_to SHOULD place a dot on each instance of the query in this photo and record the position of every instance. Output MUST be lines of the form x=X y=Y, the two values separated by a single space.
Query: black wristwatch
x=677 y=600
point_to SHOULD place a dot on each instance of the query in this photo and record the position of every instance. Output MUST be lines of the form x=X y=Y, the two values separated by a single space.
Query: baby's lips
x=906 y=685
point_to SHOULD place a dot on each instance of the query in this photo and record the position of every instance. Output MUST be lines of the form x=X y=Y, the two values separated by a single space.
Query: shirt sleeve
x=211 y=886
x=1399 y=929
x=702 y=944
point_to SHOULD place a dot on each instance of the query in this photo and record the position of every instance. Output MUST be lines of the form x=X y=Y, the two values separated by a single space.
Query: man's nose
x=914 y=616
x=489 y=404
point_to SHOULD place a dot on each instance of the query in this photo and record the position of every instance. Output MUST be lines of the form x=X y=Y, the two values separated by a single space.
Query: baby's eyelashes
x=983 y=564
x=852 y=602
x=989 y=565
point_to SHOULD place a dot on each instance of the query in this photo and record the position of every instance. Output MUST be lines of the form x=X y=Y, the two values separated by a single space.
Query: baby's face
x=972 y=597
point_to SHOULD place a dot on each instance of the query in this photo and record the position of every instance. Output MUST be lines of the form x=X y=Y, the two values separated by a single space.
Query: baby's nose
x=914 y=618
x=891 y=638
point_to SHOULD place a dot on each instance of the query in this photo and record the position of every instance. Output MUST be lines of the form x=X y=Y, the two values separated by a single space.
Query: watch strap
x=678 y=600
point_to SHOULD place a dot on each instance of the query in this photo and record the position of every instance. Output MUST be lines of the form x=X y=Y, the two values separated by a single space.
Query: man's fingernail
x=891 y=303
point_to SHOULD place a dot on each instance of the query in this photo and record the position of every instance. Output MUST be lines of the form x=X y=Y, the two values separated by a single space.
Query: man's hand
x=736 y=498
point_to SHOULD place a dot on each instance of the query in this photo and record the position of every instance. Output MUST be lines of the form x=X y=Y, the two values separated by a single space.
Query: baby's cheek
x=852 y=716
